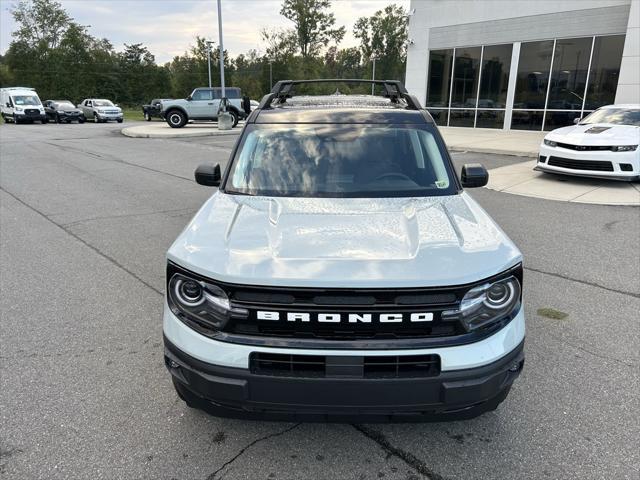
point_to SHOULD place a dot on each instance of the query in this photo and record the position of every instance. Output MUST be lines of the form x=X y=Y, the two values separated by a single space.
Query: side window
x=233 y=92
x=202 y=95
x=88 y=103
x=217 y=93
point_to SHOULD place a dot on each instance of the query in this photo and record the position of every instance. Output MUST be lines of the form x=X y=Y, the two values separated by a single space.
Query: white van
x=21 y=104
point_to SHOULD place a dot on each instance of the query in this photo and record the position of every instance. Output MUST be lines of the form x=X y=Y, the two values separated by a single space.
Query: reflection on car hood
x=597 y=134
x=341 y=242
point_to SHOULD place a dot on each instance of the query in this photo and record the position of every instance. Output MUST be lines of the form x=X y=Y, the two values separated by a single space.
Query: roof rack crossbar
x=393 y=89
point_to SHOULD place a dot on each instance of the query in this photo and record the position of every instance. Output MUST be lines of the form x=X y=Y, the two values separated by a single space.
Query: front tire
x=58 y=120
x=176 y=119
x=147 y=117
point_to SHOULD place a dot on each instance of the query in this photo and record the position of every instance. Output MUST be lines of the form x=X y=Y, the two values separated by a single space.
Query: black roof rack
x=393 y=89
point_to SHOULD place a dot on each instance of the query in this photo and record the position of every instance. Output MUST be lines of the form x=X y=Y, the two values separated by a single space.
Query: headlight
x=18 y=109
x=624 y=148
x=200 y=302
x=487 y=304
x=550 y=143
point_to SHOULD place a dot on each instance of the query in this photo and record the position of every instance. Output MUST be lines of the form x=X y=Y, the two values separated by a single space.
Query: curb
x=494 y=151
x=146 y=131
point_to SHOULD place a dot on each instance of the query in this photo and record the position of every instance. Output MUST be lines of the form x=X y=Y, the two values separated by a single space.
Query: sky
x=168 y=27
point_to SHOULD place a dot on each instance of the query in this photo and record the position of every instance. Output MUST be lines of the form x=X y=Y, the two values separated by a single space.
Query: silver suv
x=203 y=104
x=100 y=110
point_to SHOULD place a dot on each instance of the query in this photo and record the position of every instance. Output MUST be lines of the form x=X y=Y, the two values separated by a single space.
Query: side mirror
x=116 y=105
x=189 y=98
x=8 y=105
x=208 y=175
x=577 y=120
x=474 y=175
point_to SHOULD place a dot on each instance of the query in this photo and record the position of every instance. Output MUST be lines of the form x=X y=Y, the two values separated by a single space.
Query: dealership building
x=522 y=64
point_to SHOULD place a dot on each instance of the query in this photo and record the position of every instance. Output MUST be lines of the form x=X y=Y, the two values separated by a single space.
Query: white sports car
x=604 y=144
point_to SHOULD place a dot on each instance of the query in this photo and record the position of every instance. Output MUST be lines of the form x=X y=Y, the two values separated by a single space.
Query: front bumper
x=68 y=117
x=239 y=393
x=21 y=116
x=108 y=116
x=624 y=165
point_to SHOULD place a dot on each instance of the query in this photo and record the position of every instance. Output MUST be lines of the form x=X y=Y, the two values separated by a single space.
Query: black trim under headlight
x=200 y=303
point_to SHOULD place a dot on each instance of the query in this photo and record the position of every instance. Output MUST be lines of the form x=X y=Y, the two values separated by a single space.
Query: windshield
x=67 y=105
x=616 y=116
x=340 y=161
x=20 y=100
x=102 y=103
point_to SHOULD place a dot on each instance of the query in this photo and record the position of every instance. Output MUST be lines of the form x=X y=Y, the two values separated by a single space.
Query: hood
x=597 y=134
x=340 y=242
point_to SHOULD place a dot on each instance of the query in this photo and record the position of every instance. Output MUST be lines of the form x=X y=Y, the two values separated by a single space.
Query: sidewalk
x=523 y=143
x=158 y=129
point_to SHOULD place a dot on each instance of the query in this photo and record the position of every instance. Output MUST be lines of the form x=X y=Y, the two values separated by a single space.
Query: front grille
x=317 y=366
x=584 y=148
x=364 y=318
x=32 y=111
x=580 y=164
x=361 y=302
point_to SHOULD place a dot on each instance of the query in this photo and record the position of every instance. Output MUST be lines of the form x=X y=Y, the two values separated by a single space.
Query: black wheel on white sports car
x=176 y=119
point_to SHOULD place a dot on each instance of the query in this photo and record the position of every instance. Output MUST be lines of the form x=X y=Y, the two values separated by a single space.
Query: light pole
x=270 y=73
x=224 y=93
x=225 y=121
x=209 y=43
x=373 y=76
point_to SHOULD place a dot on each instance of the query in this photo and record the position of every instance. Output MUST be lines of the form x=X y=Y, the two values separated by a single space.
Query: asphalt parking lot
x=86 y=216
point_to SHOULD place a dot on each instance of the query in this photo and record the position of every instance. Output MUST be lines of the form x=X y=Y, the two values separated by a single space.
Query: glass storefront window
x=523 y=120
x=494 y=78
x=440 y=63
x=533 y=74
x=559 y=119
x=439 y=116
x=569 y=73
x=490 y=119
x=605 y=69
x=468 y=86
x=461 y=118
x=466 y=72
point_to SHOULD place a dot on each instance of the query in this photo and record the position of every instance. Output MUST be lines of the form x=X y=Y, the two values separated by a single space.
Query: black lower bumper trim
x=623 y=178
x=234 y=392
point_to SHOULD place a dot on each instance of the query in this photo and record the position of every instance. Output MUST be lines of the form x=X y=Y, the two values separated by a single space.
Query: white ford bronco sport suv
x=341 y=270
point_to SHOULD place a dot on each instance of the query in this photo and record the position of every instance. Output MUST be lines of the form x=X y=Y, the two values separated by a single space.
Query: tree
x=42 y=23
x=314 y=26
x=384 y=36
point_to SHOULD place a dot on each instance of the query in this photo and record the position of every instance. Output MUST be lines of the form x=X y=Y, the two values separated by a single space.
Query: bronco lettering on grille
x=346 y=317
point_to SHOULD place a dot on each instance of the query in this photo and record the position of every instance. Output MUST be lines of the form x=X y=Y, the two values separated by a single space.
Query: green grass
x=552 y=313
x=132 y=114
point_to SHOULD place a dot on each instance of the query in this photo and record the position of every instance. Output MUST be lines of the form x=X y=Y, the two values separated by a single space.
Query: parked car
x=21 y=105
x=604 y=144
x=203 y=104
x=63 y=111
x=101 y=110
x=341 y=268
x=153 y=109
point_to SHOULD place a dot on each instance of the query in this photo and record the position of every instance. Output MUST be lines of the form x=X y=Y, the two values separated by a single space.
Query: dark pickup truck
x=153 y=109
